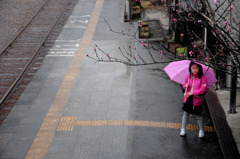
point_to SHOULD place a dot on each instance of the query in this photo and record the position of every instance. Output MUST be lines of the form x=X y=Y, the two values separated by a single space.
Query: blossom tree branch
x=209 y=14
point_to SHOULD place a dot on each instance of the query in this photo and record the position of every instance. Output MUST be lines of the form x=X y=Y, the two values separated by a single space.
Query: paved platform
x=77 y=108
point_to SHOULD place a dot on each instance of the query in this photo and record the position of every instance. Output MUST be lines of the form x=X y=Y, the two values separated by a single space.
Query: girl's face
x=194 y=69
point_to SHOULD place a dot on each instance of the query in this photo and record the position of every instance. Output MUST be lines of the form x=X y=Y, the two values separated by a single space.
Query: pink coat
x=199 y=89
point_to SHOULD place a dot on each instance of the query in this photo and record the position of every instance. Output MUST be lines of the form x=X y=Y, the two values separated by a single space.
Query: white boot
x=184 y=123
x=201 y=134
x=183 y=132
x=200 y=124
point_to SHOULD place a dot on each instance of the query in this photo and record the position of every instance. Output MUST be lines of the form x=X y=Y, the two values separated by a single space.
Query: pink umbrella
x=178 y=70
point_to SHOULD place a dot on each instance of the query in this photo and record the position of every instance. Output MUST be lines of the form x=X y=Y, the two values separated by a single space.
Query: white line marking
x=74 y=16
x=61 y=55
x=79 y=21
x=75 y=45
x=68 y=26
x=53 y=49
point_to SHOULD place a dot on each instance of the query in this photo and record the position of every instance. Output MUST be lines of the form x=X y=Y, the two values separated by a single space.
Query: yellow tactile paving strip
x=45 y=135
x=68 y=123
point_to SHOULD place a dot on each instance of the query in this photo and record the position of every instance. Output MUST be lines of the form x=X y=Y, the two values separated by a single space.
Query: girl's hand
x=190 y=93
x=186 y=85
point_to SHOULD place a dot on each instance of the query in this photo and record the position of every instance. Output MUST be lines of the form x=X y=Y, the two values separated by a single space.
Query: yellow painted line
x=45 y=135
x=65 y=126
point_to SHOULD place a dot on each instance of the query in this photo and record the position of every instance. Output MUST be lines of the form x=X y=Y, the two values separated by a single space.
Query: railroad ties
x=22 y=54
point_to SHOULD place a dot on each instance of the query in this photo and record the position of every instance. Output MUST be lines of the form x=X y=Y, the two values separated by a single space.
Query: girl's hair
x=200 y=72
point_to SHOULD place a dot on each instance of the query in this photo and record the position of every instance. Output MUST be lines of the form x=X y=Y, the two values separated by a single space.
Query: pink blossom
x=226 y=22
x=174 y=20
x=139 y=23
x=232 y=7
x=160 y=52
x=199 y=21
x=215 y=2
x=191 y=53
x=194 y=46
x=108 y=55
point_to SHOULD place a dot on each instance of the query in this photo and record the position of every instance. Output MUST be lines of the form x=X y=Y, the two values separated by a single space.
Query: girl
x=195 y=86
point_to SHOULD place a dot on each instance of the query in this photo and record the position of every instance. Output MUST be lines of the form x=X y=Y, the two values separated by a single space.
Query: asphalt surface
x=104 y=92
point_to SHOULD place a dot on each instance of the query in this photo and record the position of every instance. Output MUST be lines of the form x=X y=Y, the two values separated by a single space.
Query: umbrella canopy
x=178 y=70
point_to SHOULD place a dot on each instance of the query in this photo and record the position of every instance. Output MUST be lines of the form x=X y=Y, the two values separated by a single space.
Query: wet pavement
x=113 y=111
x=162 y=101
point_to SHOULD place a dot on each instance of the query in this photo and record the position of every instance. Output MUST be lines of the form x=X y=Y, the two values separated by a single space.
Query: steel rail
x=20 y=32
x=14 y=84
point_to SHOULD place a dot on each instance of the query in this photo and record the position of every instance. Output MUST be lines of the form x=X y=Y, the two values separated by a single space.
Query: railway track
x=23 y=55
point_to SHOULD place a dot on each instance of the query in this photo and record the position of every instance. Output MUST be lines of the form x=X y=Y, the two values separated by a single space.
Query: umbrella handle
x=185 y=93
